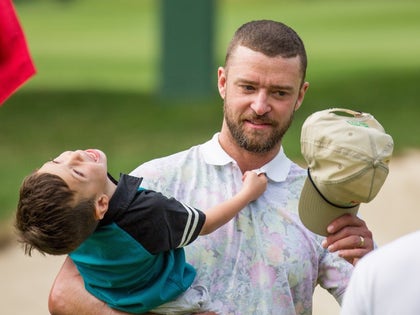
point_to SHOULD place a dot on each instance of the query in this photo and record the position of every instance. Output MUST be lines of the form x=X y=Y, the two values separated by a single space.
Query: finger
x=343 y=221
x=354 y=226
x=263 y=177
x=351 y=241
x=361 y=241
x=248 y=174
x=347 y=236
x=259 y=171
x=353 y=254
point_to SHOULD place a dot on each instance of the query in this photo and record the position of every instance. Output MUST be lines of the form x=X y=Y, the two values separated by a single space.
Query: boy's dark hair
x=271 y=38
x=49 y=218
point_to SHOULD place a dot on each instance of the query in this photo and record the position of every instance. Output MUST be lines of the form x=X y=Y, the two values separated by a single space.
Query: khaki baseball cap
x=347 y=153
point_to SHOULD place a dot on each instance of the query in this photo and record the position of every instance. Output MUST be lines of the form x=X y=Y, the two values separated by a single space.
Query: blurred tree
x=187 y=49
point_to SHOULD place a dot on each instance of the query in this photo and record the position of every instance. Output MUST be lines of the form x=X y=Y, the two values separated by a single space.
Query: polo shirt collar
x=127 y=188
x=277 y=169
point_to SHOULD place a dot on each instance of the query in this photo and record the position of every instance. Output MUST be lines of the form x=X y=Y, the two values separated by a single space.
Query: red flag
x=16 y=65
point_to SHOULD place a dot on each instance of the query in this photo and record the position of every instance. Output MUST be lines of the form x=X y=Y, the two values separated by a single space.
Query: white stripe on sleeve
x=190 y=226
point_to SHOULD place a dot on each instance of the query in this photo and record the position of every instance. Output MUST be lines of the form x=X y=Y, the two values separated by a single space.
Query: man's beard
x=257 y=142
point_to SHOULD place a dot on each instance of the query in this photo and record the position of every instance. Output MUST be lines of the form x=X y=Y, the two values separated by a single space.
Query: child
x=125 y=240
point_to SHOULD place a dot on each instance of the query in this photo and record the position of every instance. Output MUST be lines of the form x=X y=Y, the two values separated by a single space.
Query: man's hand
x=68 y=295
x=350 y=237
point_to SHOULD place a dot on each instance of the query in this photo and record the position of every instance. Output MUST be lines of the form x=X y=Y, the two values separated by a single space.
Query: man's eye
x=248 y=87
x=280 y=93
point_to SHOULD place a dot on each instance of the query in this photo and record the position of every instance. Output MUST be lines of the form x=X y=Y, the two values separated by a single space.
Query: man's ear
x=221 y=82
x=101 y=206
x=301 y=95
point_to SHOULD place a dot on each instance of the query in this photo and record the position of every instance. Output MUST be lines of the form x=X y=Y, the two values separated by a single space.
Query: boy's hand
x=254 y=184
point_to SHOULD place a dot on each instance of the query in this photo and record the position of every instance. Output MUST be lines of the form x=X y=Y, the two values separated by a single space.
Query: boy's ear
x=101 y=206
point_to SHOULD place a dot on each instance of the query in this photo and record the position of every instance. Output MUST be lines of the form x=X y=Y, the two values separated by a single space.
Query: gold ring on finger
x=362 y=241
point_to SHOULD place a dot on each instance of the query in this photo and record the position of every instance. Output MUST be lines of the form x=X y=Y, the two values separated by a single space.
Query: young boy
x=125 y=240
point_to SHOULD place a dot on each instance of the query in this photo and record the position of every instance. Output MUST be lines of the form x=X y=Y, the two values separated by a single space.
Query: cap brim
x=316 y=213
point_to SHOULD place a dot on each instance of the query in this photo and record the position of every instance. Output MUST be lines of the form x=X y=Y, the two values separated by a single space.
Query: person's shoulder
x=297 y=172
x=297 y=168
x=166 y=159
x=169 y=162
x=401 y=248
x=405 y=243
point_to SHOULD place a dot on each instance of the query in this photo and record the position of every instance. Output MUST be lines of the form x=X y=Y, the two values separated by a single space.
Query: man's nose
x=260 y=105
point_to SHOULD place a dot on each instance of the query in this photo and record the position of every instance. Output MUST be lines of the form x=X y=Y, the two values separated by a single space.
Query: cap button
x=376 y=163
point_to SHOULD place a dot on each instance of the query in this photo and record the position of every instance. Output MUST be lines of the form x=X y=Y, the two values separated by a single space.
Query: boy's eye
x=78 y=173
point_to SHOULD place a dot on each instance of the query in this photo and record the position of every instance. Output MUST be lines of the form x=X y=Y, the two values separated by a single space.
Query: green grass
x=98 y=77
x=116 y=45
x=93 y=44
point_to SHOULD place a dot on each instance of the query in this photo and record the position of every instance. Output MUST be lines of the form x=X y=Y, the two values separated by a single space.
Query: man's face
x=84 y=171
x=260 y=96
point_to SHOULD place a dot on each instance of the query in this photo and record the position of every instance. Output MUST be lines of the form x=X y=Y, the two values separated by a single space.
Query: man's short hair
x=271 y=38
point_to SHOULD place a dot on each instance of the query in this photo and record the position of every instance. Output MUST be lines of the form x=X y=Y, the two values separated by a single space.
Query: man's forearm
x=68 y=295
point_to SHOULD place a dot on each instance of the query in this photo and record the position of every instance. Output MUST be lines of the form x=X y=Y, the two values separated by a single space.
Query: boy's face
x=84 y=171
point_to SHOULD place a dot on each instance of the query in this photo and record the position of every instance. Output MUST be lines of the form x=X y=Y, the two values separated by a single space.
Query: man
x=264 y=261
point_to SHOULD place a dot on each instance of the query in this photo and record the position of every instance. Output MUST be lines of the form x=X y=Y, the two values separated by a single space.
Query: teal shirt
x=114 y=262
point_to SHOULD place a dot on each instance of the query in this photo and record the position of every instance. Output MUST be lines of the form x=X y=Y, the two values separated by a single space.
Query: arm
x=68 y=295
x=346 y=234
x=253 y=186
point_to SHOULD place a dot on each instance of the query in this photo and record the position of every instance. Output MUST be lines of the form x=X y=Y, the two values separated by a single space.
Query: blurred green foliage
x=98 y=78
